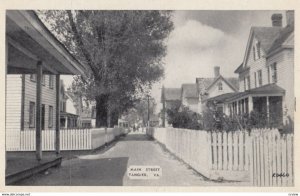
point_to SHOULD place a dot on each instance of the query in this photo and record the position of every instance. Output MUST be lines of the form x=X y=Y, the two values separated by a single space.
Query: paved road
x=108 y=168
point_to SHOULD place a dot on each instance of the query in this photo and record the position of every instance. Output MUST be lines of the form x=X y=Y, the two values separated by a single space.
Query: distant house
x=170 y=98
x=189 y=97
x=266 y=76
x=217 y=86
x=68 y=109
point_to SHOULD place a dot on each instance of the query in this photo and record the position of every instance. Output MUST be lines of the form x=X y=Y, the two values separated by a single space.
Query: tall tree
x=123 y=49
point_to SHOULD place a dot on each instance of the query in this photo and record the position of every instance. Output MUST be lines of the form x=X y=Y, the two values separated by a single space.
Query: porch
x=266 y=102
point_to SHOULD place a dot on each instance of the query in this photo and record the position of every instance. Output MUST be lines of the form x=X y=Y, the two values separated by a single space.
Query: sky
x=204 y=39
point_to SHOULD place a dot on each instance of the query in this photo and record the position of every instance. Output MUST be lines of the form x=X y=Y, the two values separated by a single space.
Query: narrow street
x=108 y=168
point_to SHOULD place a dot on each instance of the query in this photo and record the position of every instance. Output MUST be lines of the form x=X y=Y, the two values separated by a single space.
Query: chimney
x=290 y=17
x=276 y=20
x=217 y=71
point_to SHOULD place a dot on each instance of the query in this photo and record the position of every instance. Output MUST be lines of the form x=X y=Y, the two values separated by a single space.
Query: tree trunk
x=114 y=118
x=101 y=107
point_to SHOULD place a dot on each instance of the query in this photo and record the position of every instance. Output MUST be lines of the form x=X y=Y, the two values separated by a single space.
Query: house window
x=274 y=72
x=248 y=82
x=51 y=81
x=33 y=77
x=50 y=117
x=259 y=75
x=258 y=50
x=268 y=75
x=31 y=114
x=43 y=80
x=255 y=80
x=220 y=86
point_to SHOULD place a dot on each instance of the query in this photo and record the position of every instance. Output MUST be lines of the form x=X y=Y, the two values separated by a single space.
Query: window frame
x=248 y=82
x=255 y=80
x=32 y=77
x=220 y=86
x=274 y=75
x=259 y=78
x=51 y=81
x=32 y=114
x=50 y=116
x=43 y=80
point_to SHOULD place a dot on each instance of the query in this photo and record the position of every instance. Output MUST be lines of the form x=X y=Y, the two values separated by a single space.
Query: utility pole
x=148 y=96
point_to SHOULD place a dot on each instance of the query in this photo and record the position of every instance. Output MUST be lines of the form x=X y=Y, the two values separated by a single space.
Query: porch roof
x=66 y=114
x=266 y=90
x=220 y=98
x=29 y=42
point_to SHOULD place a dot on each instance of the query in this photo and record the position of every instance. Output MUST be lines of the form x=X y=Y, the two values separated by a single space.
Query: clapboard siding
x=13 y=109
x=255 y=65
x=285 y=77
x=48 y=98
x=214 y=90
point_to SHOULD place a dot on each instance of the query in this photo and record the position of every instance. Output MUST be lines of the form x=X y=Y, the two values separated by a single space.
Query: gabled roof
x=190 y=90
x=231 y=82
x=205 y=83
x=270 y=38
x=171 y=94
x=266 y=36
x=280 y=39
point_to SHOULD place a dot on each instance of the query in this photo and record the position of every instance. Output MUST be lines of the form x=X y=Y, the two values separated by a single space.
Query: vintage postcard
x=156 y=96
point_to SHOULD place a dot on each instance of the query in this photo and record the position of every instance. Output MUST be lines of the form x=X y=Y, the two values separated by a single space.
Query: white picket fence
x=237 y=155
x=70 y=139
x=228 y=150
x=272 y=157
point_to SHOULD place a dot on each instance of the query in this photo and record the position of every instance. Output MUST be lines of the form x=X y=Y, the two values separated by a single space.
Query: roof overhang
x=30 y=42
x=264 y=91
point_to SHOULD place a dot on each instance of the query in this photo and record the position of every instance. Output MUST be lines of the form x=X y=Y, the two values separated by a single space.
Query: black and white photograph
x=159 y=98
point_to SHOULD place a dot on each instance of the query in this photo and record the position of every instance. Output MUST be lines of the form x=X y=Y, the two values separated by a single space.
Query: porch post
x=38 y=133
x=250 y=104
x=268 y=110
x=57 y=127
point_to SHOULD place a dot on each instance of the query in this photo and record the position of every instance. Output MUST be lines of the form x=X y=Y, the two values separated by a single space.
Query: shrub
x=184 y=118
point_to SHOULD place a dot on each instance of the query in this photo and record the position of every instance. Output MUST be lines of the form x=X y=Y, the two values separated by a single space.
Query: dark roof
x=190 y=90
x=280 y=39
x=171 y=94
x=207 y=82
x=221 y=98
x=204 y=82
x=270 y=39
x=234 y=82
x=241 y=68
x=63 y=114
x=269 y=89
x=266 y=36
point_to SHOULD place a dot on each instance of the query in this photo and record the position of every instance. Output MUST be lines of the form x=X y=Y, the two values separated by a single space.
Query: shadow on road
x=87 y=172
x=136 y=137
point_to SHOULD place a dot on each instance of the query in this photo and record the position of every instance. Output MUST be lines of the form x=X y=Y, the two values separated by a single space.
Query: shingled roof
x=205 y=83
x=280 y=39
x=266 y=36
x=171 y=94
x=190 y=90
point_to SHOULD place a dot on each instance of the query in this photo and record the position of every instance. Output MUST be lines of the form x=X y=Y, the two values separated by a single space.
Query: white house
x=266 y=76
